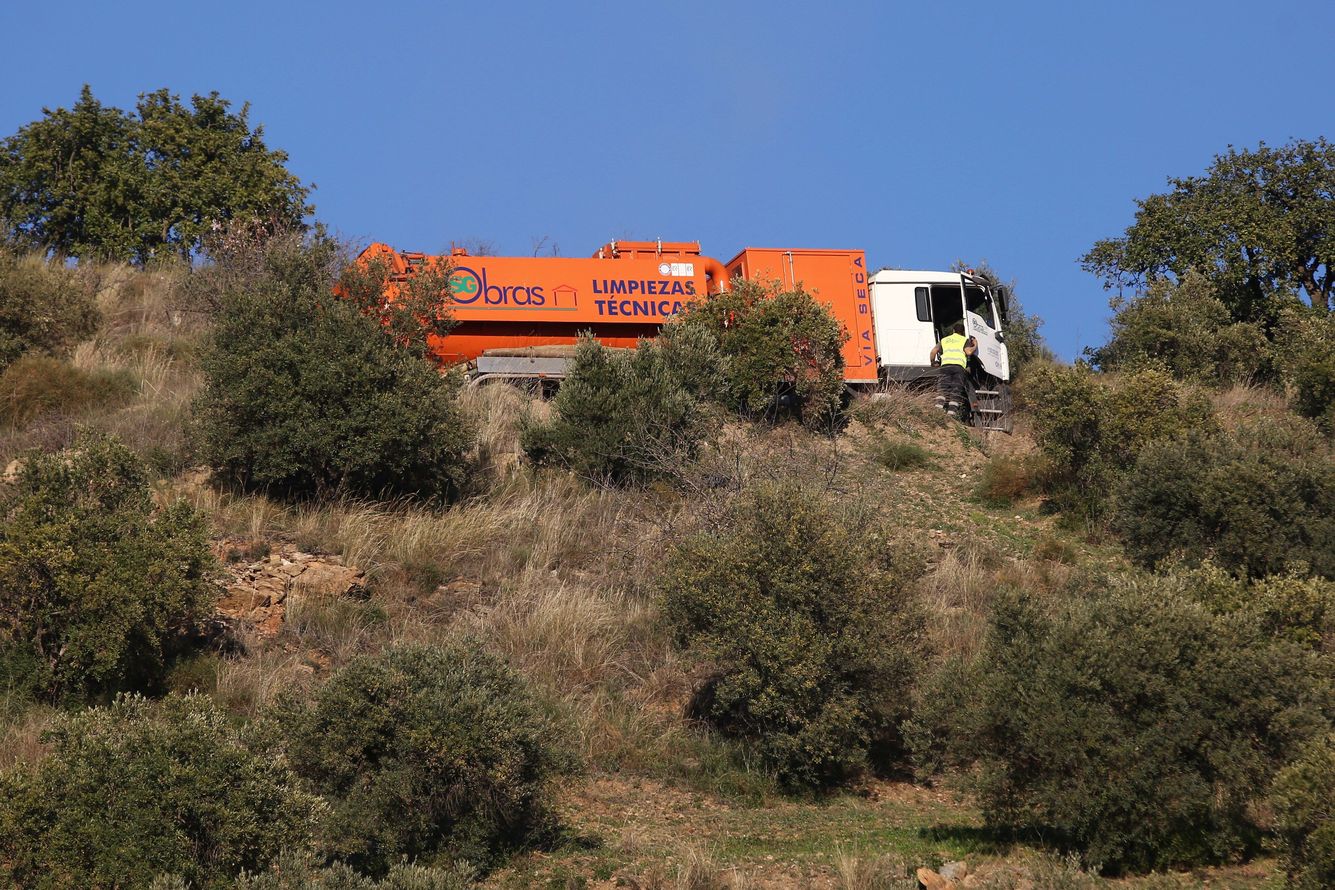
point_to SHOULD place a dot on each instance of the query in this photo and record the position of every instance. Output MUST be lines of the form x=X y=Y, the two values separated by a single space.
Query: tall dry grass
x=958 y=591
x=1245 y=403
x=145 y=334
x=858 y=870
x=21 y=726
x=694 y=867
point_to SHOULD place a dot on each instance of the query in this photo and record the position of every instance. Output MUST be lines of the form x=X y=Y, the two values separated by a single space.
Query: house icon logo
x=564 y=297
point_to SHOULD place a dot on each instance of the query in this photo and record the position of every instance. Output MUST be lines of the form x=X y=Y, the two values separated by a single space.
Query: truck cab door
x=981 y=323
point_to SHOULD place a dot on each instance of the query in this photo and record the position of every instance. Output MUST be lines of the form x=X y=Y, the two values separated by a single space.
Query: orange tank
x=624 y=292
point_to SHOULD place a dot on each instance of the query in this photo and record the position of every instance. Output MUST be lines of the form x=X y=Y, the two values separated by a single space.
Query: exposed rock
x=930 y=880
x=954 y=871
x=461 y=593
x=195 y=477
x=325 y=577
x=257 y=593
x=12 y=470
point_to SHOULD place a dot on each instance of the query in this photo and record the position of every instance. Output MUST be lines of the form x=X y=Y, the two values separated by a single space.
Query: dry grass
x=249 y=685
x=908 y=409
x=958 y=594
x=497 y=413
x=859 y=871
x=1249 y=403
x=21 y=728
x=695 y=868
x=144 y=336
x=141 y=301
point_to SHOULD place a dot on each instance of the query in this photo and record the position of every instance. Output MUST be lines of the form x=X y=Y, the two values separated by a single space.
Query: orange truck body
x=624 y=292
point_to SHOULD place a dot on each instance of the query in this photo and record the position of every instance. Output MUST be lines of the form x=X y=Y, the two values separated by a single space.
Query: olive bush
x=309 y=394
x=1306 y=356
x=1185 y=329
x=623 y=417
x=1259 y=500
x=781 y=352
x=1127 y=722
x=1304 y=802
x=97 y=585
x=1090 y=428
x=139 y=790
x=435 y=754
x=1292 y=607
x=44 y=307
x=803 y=618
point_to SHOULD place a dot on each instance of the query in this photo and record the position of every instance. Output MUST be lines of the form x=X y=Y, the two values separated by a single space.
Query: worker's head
x=958 y=328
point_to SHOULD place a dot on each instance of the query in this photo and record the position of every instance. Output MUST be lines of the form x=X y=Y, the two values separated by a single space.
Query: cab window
x=977 y=301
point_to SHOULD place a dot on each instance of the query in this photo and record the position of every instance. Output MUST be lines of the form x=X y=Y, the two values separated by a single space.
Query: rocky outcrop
x=259 y=591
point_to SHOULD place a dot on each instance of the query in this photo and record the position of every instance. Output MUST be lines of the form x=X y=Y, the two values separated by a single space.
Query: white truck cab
x=912 y=310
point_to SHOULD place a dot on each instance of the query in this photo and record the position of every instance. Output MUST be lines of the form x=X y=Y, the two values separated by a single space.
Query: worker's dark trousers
x=952 y=390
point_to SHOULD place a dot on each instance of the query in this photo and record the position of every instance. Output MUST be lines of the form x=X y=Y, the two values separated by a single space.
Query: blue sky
x=921 y=132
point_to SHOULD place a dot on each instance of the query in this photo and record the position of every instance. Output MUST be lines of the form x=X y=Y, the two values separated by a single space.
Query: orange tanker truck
x=517 y=316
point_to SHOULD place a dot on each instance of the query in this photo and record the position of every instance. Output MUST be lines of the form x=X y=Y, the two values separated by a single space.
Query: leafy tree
x=137 y=790
x=97 y=181
x=96 y=584
x=1260 y=223
x=781 y=352
x=436 y=754
x=1128 y=722
x=44 y=307
x=307 y=393
x=808 y=628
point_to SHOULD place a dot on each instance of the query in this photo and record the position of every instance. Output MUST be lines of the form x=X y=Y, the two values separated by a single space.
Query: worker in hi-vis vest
x=953 y=353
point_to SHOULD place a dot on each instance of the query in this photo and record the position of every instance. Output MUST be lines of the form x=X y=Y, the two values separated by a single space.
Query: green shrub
x=294 y=872
x=97 y=585
x=308 y=394
x=1183 y=328
x=782 y=352
x=899 y=455
x=44 y=307
x=1130 y=724
x=1306 y=356
x=136 y=790
x=1090 y=428
x=1258 y=500
x=39 y=384
x=1292 y=607
x=625 y=417
x=433 y=754
x=802 y=614
x=1304 y=803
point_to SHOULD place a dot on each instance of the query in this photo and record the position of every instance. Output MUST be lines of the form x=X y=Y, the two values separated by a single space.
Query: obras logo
x=469 y=288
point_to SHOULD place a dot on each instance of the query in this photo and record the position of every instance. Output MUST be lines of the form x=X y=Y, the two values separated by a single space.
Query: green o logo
x=464 y=285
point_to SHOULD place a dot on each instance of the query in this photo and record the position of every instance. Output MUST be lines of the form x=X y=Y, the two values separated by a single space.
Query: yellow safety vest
x=952 y=350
